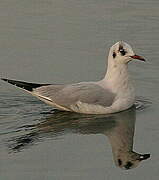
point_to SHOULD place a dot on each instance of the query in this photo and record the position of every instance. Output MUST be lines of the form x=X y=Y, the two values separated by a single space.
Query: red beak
x=138 y=57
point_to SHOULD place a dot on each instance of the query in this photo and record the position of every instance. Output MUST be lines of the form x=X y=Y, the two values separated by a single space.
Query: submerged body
x=114 y=93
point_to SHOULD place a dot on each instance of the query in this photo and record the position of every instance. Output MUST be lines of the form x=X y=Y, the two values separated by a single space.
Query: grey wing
x=67 y=95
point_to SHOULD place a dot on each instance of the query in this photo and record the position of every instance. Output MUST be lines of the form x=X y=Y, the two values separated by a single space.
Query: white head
x=122 y=53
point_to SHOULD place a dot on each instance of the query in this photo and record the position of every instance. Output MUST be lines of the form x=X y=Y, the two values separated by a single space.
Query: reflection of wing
x=68 y=95
x=60 y=123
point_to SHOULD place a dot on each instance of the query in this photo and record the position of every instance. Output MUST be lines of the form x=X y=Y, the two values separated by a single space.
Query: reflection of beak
x=137 y=57
x=144 y=157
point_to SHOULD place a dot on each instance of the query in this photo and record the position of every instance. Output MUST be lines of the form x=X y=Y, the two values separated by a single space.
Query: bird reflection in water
x=119 y=128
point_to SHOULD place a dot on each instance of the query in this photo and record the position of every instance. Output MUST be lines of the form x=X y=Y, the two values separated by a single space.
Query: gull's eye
x=122 y=52
x=128 y=165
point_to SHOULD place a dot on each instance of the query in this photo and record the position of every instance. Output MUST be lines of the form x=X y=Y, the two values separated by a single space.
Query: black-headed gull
x=114 y=93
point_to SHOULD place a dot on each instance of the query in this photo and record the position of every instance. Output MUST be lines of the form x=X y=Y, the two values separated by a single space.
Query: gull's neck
x=116 y=72
x=117 y=76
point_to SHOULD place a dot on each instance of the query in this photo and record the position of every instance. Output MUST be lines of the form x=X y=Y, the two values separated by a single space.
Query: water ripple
x=142 y=103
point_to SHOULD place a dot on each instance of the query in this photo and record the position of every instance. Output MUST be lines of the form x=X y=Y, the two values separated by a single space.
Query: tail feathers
x=24 y=85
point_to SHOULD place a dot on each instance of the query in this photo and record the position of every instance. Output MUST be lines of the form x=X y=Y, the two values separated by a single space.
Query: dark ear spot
x=119 y=162
x=114 y=54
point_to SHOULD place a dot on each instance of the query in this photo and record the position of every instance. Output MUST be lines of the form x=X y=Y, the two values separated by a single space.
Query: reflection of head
x=129 y=160
x=121 y=139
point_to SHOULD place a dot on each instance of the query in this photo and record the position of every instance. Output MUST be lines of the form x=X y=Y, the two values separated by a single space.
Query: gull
x=114 y=93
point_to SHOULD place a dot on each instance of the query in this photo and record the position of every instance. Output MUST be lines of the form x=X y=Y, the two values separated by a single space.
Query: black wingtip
x=24 y=85
x=4 y=79
x=20 y=84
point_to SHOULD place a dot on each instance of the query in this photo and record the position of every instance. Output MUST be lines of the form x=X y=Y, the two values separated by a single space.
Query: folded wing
x=67 y=96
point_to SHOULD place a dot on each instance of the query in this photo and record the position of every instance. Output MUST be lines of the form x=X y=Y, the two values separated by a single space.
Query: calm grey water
x=68 y=41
